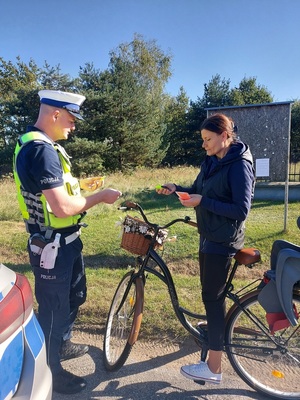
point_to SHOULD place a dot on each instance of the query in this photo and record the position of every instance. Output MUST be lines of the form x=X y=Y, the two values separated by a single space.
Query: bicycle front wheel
x=269 y=363
x=123 y=321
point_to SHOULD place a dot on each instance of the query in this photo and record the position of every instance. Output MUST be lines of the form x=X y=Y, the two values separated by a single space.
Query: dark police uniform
x=61 y=290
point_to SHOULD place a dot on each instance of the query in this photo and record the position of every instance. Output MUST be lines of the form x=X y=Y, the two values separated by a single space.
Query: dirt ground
x=151 y=372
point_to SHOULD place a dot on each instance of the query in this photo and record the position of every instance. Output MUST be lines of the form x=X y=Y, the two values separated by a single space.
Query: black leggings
x=213 y=274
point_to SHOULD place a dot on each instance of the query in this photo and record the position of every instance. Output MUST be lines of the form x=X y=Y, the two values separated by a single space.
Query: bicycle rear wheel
x=123 y=322
x=270 y=365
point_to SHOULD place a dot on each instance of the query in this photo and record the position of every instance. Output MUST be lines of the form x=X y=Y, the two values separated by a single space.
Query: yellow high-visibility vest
x=34 y=207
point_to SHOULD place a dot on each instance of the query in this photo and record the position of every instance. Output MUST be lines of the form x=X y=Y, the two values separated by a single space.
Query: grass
x=106 y=262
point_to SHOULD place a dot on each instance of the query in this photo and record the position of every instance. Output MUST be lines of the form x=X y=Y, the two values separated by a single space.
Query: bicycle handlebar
x=129 y=205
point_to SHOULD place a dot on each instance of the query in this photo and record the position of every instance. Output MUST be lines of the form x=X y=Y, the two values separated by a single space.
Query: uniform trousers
x=59 y=293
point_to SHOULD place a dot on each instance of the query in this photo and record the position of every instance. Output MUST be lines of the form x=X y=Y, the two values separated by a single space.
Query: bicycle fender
x=138 y=314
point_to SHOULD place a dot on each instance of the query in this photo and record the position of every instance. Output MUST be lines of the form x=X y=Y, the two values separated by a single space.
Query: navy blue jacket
x=227 y=187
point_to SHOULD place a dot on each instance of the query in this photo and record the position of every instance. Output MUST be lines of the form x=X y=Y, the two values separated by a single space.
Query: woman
x=221 y=196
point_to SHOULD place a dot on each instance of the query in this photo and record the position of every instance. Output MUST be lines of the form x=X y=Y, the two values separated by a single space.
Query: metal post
x=286 y=191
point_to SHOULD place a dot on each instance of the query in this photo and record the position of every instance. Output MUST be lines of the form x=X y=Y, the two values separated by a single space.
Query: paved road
x=151 y=372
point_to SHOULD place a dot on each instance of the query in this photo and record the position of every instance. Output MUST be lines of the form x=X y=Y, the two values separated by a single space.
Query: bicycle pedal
x=200 y=382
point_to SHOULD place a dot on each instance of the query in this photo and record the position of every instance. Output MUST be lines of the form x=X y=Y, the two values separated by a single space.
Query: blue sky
x=233 y=38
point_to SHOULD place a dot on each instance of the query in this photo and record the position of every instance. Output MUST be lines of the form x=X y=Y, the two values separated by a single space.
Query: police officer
x=53 y=210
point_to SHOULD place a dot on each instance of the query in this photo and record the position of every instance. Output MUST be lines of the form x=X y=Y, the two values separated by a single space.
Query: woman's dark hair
x=219 y=123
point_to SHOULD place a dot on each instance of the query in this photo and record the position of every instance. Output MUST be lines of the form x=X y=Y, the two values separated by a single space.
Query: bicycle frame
x=165 y=276
x=182 y=313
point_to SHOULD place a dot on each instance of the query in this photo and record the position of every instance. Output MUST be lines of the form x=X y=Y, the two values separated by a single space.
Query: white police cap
x=69 y=101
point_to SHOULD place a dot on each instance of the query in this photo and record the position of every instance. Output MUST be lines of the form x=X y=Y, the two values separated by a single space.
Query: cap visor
x=77 y=115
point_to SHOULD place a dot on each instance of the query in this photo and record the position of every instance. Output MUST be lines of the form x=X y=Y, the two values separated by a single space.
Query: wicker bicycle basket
x=137 y=236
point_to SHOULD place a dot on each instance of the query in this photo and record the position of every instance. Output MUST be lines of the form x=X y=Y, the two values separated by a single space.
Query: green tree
x=18 y=104
x=216 y=92
x=127 y=104
x=53 y=78
x=129 y=120
x=250 y=92
x=87 y=156
x=18 y=86
x=176 y=139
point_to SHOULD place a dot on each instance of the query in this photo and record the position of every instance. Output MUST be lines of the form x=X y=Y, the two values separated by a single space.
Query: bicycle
x=269 y=362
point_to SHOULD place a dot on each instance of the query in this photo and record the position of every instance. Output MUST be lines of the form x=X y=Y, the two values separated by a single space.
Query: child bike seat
x=287 y=275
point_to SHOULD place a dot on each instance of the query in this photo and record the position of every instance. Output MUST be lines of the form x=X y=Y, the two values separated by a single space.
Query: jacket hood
x=237 y=151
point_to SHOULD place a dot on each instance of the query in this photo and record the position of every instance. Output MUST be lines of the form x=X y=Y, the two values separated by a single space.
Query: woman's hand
x=166 y=188
x=193 y=201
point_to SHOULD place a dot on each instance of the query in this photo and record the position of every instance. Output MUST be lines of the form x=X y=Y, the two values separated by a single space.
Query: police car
x=24 y=373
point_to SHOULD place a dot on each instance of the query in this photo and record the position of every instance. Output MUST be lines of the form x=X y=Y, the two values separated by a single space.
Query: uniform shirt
x=39 y=166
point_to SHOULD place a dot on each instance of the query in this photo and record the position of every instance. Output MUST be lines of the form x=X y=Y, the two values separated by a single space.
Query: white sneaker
x=200 y=372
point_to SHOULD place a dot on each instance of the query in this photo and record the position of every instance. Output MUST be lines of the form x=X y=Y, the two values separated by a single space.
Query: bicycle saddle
x=287 y=275
x=247 y=256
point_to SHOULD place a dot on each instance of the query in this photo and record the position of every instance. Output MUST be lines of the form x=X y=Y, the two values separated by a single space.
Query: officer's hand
x=109 y=196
